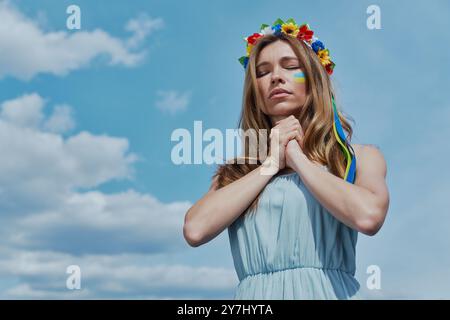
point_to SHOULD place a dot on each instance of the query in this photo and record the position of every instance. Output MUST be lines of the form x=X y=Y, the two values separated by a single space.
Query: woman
x=293 y=217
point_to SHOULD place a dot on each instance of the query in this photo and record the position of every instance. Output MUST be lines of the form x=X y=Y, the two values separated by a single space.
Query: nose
x=276 y=77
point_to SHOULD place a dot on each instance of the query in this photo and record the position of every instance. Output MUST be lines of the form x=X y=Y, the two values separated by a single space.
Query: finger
x=299 y=139
x=295 y=127
x=296 y=135
x=294 y=123
x=287 y=125
x=297 y=122
x=300 y=130
x=288 y=136
x=286 y=120
x=299 y=127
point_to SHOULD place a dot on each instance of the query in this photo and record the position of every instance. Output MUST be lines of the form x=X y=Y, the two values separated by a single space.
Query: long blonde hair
x=316 y=115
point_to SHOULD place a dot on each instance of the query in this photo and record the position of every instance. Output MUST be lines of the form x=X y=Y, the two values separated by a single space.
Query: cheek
x=299 y=77
x=300 y=84
x=263 y=87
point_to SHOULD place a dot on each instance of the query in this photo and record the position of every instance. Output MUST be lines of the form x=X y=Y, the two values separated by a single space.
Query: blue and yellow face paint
x=299 y=77
x=350 y=170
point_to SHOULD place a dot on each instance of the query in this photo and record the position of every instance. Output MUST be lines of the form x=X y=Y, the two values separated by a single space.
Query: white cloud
x=61 y=120
x=41 y=174
x=28 y=111
x=47 y=223
x=142 y=27
x=95 y=222
x=42 y=274
x=26 y=291
x=28 y=50
x=40 y=169
x=25 y=111
x=172 y=101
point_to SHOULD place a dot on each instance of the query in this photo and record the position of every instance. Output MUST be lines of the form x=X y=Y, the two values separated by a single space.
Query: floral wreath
x=290 y=28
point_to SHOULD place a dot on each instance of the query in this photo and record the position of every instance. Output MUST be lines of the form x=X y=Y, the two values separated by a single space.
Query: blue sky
x=86 y=118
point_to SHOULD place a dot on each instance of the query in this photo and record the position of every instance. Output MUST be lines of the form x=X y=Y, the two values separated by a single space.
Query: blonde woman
x=293 y=231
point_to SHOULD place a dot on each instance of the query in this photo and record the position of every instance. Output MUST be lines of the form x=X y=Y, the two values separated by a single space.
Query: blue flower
x=277 y=29
x=317 y=45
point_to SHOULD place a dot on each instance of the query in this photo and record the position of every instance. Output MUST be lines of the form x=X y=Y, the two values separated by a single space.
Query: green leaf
x=278 y=21
x=291 y=21
x=263 y=26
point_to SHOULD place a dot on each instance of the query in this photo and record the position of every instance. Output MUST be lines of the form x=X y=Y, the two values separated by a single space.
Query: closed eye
x=258 y=75
x=264 y=73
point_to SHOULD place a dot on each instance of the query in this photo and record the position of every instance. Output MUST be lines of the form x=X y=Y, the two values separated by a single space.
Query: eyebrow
x=281 y=59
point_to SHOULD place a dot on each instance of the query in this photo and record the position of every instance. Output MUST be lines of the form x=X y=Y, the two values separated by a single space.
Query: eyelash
x=289 y=68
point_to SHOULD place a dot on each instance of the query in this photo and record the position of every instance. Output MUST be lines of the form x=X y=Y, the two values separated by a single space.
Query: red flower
x=329 y=68
x=305 y=33
x=252 y=39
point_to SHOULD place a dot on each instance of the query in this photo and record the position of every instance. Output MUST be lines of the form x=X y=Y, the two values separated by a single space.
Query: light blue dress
x=291 y=247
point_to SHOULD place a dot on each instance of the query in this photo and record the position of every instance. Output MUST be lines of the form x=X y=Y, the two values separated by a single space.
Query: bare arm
x=363 y=205
x=217 y=209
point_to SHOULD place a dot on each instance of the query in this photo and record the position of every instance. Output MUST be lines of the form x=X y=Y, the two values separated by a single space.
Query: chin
x=284 y=109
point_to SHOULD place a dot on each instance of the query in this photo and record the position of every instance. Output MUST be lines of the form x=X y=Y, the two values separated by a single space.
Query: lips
x=278 y=93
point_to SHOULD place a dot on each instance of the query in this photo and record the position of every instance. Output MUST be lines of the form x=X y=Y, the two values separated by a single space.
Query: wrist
x=300 y=162
x=269 y=167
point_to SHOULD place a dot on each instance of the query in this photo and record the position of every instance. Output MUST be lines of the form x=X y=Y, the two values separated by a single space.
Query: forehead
x=275 y=51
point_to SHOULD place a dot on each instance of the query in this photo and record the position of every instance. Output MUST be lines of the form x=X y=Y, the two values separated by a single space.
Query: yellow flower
x=324 y=57
x=249 y=48
x=289 y=29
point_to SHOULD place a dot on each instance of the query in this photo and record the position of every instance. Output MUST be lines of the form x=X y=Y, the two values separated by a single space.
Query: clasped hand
x=286 y=142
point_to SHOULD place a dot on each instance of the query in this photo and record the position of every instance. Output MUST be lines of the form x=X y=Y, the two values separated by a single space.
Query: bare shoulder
x=363 y=147
x=370 y=160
